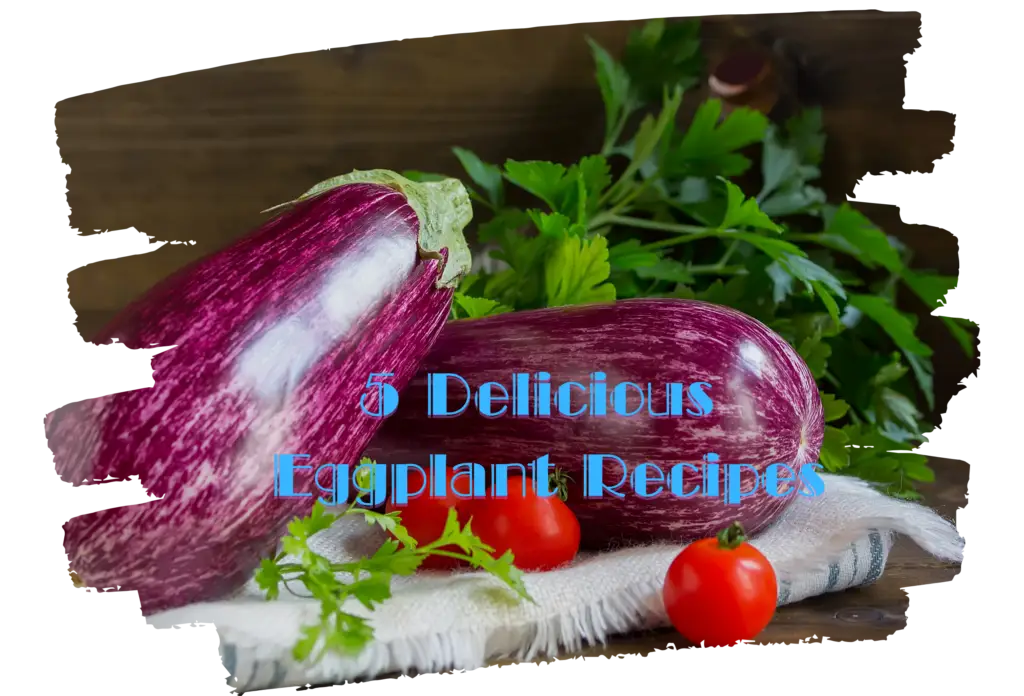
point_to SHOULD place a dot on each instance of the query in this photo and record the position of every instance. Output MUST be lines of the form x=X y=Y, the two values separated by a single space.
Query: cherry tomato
x=720 y=591
x=541 y=532
x=424 y=517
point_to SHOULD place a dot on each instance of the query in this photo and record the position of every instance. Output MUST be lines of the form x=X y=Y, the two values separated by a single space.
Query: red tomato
x=542 y=533
x=720 y=591
x=424 y=517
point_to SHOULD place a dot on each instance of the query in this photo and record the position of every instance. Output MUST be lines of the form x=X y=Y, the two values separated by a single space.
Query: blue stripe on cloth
x=833 y=577
x=853 y=548
x=784 y=592
x=875 y=571
x=280 y=671
x=229 y=658
x=251 y=682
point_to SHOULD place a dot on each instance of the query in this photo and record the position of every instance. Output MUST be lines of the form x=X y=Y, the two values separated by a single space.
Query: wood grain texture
x=197 y=156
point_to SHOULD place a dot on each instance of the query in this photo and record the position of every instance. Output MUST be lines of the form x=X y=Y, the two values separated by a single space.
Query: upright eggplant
x=275 y=338
x=765 y=410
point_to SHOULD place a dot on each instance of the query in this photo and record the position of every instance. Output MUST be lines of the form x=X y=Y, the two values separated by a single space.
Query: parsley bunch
x=664 y=213
x=367 y=580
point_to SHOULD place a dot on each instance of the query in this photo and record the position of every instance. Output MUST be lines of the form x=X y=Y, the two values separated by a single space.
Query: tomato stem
x=559 y=480
x=732 y=536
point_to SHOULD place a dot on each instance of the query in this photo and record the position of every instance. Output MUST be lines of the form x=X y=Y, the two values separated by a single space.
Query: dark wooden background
x=198 y=156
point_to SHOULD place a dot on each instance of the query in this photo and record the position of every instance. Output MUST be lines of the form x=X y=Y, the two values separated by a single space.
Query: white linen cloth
x=435 y=622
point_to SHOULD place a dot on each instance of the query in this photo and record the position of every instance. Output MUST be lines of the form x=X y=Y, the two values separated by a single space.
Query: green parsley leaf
x=789 y=267
x=894 y=322
x=630 y=255
x=661 y=55
x=545 y=180
x=667 y=270
x=893 y=372
x=465 y=307
x=806 y=133
x=506 y=223
x=896 y=469
x=310 y=638
x=924 y=372
x=834 y=408
x=593 y=177
x=956 y=328
x=555 y=225
x=422 y=177
x=896 y=407
x=487 y=176
x=728 y=294
x=367 y=580
x=788 y=165
x=930 y=287
x=779 y=164
x=613 y=81
x=710 y=148
x=743 y=212
x=652 y=133
x=816 y=354
x=834 y=456
x=577 y=271
x=869 y=243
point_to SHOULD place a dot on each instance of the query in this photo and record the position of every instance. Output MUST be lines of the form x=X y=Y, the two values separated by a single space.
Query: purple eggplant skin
x=766 y=409
x=275 y=339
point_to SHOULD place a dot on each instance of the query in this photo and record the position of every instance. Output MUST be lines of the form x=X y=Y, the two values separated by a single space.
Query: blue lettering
x=734 y=483
x=598 y=394
x=284 y=475
x=499 y=474
x=542 y=476
x=377 y=487
x=439 y=475
x=712 y=475
x=338 y=487
x=641 y=479
x=521 y=394
x=437 y=395
x=400 y=494
x=619 y=398
x=772 y=480
x=809 y=476
x=484 y=399
x=676 y=480
x=477 y=478
x=593 y=476
x=542 y=395
x=564 y=400
x=699 y=399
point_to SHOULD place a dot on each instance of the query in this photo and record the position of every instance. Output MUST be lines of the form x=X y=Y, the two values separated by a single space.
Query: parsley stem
x=802 y=237
x=691 y=230
x=717 y=269
x=730 y=250
x=616 y=132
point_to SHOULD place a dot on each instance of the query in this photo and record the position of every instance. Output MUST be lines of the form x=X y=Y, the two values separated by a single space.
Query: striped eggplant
x=275 y=339
x=766 y=409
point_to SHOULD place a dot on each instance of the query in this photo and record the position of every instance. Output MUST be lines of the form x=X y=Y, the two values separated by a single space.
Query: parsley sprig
x=663 y=210
x=366 y=580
